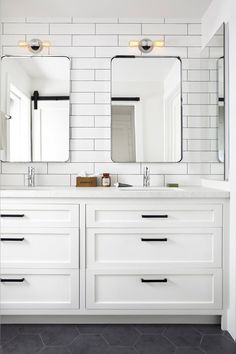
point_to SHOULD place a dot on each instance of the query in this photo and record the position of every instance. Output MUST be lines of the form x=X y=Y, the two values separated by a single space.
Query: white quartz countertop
x=112 y=192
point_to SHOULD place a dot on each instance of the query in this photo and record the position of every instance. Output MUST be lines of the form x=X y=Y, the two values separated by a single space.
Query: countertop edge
x=113 y=193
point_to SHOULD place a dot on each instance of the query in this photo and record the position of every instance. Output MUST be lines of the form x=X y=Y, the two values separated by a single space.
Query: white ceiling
x=44 y=68
x=105 y=8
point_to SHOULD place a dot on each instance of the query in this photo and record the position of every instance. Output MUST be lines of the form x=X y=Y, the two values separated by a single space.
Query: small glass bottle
x=106 y=180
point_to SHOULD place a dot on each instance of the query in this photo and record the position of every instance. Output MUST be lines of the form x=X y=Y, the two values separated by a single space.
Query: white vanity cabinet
x=108 y=252
x=154 y=255
x=39 y=256
x=39 y=289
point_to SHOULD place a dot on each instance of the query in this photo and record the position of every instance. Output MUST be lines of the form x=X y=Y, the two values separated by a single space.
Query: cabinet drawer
x=154 y=215
x=41 y=215
x=132 y=247
x=40 y=248
x=150 y=290
x=40 y=289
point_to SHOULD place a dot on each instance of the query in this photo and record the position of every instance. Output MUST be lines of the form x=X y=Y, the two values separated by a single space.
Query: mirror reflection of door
x=123 y=130
x=48 y=131
x=35 y=95
x=152 y=86
x=19 y=126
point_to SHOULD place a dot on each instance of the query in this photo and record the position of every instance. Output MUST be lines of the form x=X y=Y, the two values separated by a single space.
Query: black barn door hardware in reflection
x=36 y=97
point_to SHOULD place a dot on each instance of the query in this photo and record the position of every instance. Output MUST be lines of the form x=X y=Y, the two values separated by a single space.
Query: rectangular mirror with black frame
x=146 y=109
x=34 y=122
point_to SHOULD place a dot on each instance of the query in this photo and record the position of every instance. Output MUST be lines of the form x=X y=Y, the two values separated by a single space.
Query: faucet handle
x=31 y=176
x=31 y=169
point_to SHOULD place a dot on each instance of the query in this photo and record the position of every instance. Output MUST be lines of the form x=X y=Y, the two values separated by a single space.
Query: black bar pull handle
x=164 y=239
x=12 y=239
x=154 y=280
x=164 y=216
x=12 y=215
x=20 y=280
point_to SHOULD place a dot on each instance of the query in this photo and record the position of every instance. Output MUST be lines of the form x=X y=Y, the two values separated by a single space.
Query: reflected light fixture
x=34 y=45
x=146 y=45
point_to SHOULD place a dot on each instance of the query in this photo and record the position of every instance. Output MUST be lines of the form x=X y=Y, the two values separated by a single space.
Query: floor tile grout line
x=220 y=334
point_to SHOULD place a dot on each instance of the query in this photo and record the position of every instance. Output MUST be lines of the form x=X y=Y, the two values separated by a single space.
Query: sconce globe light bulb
x=35 y=45
x=146 y=45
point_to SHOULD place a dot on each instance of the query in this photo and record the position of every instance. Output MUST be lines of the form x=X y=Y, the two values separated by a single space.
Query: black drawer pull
x=154 y=280
x=164 y=216
x=12 y=239
x=154 y=239
x=12 y=280
x=12 y=215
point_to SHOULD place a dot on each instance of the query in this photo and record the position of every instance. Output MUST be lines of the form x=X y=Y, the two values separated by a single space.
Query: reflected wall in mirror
x=34 y=124
x=216 y=51
x=146 y=108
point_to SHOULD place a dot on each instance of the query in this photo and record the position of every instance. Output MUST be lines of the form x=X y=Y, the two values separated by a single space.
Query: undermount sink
x=150 y=189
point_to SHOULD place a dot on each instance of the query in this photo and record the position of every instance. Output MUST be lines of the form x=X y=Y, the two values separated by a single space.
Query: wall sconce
x=34 y=45
x=146 y=45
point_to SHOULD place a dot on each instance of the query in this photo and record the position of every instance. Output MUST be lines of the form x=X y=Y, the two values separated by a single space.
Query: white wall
x=91 y=43
x=19 y=78
x=225 y=11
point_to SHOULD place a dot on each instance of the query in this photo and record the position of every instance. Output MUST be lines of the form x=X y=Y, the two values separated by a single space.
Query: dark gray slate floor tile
x=55 y=350
x=208 y=329
x=59 y=334
x=89 y=344
x=8 y=332
x=227 y=335
x=123 y=339
x=119 y=350
x=215 y=344
x=91 y=328
x=23 y=344
x=150 y=328
x=154 y=344
x=31 y=328
x=183 y=335
x=121 y=335
x=189 y=350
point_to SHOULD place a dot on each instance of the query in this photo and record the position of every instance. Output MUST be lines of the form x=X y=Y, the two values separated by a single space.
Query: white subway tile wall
x=91 y=43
